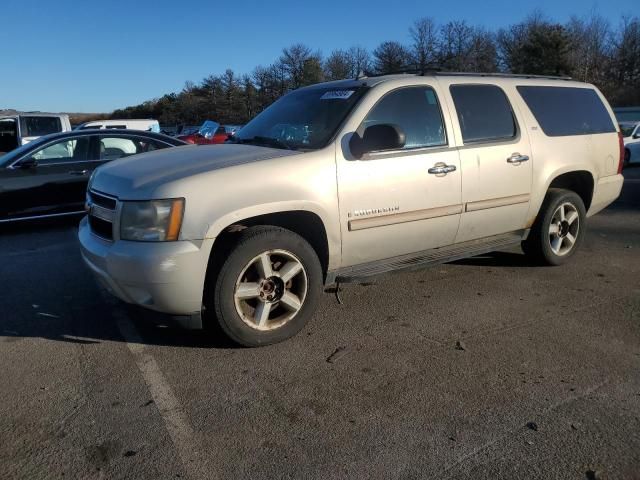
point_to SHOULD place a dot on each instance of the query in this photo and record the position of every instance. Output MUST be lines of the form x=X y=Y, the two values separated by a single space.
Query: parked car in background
x=341 y=181
x=22 y=128
x=209 y=133
x=125 y=124
x=631 y=138
x=232 y=129
x=627 y=114
x=48 y=177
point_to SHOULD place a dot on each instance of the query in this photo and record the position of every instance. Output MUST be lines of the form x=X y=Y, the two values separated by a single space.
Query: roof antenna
x=361 y=75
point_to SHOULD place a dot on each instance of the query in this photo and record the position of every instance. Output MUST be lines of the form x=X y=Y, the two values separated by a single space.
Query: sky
x=96 y=56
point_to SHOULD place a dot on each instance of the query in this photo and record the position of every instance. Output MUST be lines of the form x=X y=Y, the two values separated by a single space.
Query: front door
x=402 y=201
x=52 y=180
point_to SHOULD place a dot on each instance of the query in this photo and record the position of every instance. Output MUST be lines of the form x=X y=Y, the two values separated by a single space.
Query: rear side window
x=112 y=148
x=416 y=111
x=484 y=113
x=562 y=111
x=39 y=126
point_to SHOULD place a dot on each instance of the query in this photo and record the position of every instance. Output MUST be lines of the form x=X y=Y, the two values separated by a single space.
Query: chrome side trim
x=497 y=202
x=35 y=217
x=395 y=218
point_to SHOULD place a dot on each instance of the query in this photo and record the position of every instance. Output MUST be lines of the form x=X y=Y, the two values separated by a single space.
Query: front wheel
x=268 y=288
x=559 y=228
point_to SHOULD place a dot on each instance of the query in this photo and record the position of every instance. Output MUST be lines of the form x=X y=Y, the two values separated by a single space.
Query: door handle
x=78 y=172
x=441 y=169
x=517 y=158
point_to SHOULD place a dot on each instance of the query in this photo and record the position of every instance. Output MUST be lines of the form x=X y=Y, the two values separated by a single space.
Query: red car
x=210 y=133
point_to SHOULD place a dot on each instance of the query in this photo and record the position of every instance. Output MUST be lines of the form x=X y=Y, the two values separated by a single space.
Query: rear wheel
x=268 y=288
x=559 y=228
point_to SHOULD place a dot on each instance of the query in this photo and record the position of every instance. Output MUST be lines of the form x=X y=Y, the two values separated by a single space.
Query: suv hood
x=144 y=173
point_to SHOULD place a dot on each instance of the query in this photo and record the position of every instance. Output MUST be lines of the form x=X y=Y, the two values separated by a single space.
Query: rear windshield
x=39 y=126
x=563 y=111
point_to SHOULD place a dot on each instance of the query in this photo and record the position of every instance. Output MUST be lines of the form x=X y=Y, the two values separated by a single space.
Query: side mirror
x=636 y=135
x=377 y=138
x=28 y=163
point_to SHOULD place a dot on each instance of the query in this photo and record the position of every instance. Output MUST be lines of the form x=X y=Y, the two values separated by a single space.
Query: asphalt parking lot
x=485 y=368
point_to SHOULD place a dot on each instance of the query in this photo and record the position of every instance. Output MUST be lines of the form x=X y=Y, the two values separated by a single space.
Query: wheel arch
x=581 y=182
x=305 y=223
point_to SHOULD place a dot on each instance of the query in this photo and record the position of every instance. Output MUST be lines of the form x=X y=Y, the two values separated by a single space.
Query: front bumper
x=167 y=277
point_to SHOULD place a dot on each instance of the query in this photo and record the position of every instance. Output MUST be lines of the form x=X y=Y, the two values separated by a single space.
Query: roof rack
x=502 y=75
x=438 y=71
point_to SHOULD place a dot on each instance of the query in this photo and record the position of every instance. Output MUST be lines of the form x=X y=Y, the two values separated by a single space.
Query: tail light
x=621 y=160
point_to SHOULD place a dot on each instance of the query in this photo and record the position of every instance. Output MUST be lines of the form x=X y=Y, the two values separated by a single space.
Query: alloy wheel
x=271 y=290
x=564 y=229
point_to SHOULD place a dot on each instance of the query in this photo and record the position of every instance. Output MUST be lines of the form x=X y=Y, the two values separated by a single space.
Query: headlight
x=152 y=221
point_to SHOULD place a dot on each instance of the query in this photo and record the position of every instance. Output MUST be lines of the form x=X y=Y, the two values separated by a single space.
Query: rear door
x=495 y=158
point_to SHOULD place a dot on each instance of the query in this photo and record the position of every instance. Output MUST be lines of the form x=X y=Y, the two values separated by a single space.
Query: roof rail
x=438 y=71
x=503 y=75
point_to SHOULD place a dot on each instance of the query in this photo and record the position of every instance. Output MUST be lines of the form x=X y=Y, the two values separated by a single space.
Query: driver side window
x=416 y=111
x=75 y=150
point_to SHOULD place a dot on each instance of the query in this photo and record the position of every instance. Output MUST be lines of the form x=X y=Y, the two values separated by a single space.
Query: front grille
x=102 y=212
x=102 y=200
x=100 y=227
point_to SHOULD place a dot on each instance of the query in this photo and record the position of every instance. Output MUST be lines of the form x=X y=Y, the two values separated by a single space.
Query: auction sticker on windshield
x=336 y=95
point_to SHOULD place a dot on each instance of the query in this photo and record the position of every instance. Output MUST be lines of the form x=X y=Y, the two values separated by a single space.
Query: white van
x=20 y=128
x=125 y=124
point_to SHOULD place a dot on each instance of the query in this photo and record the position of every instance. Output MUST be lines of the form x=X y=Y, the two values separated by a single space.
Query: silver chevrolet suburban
x=345 y=180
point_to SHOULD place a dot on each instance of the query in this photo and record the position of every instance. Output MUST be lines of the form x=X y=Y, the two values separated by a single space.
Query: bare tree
x=590 y=47
x=391 y=57
x=337 y=65
x=625 y=62
x=299 y=62
x=360 y=60
x=424 y=34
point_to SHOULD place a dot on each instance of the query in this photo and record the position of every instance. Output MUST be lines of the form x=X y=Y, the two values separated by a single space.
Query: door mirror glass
x=376 y=138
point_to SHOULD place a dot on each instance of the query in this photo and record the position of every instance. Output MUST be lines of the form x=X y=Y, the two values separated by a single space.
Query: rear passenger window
x=484 y=113
x=112 y=148
x=562 y=111
x=416 y=111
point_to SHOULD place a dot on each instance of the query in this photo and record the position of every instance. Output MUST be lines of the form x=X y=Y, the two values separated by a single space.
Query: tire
x=268 y=288
x=627 y=157
x=550 y=239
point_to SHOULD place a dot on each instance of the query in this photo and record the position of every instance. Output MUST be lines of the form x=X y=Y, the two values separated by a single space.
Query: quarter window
x=416 y=111
x=562 y=111
x=484 y=113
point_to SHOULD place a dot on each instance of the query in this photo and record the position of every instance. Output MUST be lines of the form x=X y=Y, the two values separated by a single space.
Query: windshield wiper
x=266 y=141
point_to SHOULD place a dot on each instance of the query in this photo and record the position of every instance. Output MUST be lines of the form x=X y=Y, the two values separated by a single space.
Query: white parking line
x=175 y=419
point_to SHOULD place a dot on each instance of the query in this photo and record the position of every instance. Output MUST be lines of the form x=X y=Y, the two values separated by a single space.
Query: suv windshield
x=305 y=119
